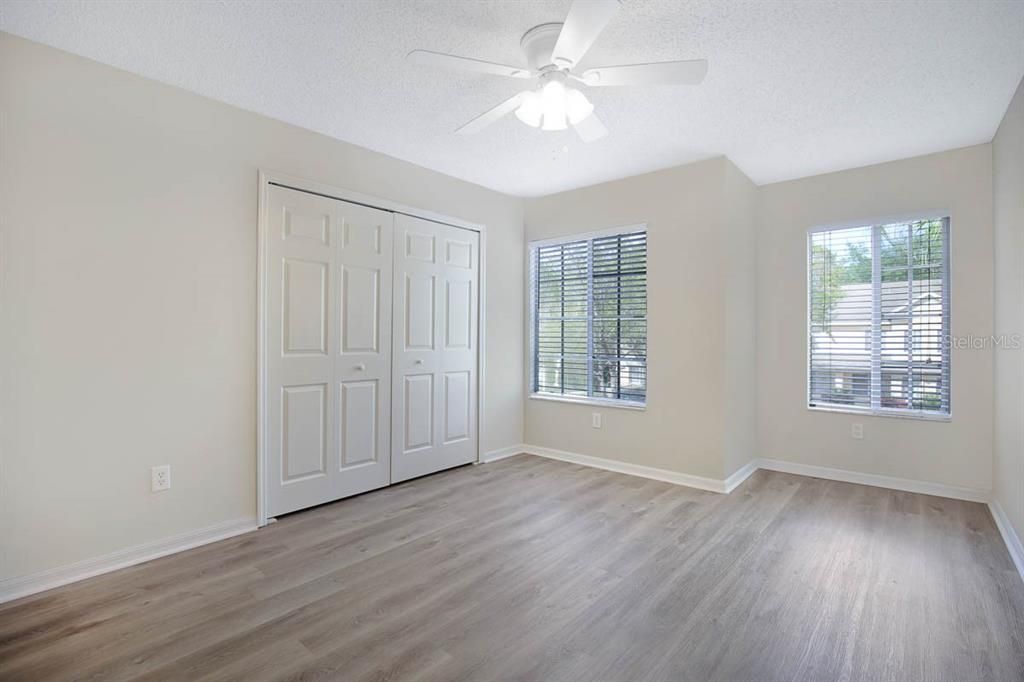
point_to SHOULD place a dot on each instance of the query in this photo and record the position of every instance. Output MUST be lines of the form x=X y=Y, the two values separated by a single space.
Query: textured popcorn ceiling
x=794 y=88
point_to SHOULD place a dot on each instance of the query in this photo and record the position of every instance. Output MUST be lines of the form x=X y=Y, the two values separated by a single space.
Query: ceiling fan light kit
x=553 y=106
x=553 y=51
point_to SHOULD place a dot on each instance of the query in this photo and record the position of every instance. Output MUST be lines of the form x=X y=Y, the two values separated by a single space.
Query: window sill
x=595 y=402
x=892 y=414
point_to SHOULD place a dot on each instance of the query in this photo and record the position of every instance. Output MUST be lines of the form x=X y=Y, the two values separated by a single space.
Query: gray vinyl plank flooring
x=530 y=569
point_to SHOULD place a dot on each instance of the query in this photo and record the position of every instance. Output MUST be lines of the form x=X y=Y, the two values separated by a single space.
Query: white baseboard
x=740 y=475
x=22 y=586
x=734 y=480
x=502 y=453
x=1010 y=537
x=877 y=480
x=712 y=484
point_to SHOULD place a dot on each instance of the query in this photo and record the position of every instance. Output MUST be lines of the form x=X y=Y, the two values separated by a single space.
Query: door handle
x=418 y=362
x=360 y=367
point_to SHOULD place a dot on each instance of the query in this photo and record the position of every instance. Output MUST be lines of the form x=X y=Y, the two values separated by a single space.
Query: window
x=878 y=318
x=589 y=302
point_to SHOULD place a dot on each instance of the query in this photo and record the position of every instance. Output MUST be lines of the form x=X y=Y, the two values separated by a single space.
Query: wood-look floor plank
x=531 y=569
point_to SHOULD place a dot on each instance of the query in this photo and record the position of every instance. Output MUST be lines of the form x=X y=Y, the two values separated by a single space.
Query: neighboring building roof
x=855 y=305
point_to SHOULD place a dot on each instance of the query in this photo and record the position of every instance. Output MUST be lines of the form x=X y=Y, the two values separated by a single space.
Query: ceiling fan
x=553 y=51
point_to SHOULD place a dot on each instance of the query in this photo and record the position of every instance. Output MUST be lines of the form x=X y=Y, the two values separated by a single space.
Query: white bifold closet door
x=371 y=348
x=434 y=389
x=328 y=349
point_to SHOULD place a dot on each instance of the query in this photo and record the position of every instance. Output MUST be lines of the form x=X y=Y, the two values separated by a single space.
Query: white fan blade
x=450 y=61
x=590 y=128
x=663 y=73
x=491 y=115
x=586 y=20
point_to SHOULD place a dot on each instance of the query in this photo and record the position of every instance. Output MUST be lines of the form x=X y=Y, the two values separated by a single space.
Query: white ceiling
x=794 y=88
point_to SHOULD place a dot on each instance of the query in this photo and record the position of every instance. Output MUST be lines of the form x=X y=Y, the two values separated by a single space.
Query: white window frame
x=531 y=249
x=877 y=410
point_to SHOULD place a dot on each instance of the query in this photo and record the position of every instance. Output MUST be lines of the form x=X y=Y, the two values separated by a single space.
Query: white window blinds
x=878 y=318
x=590 y=317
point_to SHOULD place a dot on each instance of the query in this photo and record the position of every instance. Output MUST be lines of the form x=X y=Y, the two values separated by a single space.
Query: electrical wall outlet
x=595 y=420
x=161 y=478
x=857 y=431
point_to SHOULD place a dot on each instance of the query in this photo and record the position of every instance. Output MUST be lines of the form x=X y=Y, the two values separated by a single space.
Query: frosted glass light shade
x=530 y=109
x=577 y=106
x=554 y=103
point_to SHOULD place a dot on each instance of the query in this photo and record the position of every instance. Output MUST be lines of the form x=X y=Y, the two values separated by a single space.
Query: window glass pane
x=877 y=331
x=590 y=317
x=840 y=302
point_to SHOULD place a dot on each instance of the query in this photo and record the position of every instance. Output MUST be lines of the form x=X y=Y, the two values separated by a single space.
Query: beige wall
x=700 y=416
x=128 y=300
x=957 y=453
x=739 y=262
x=1008 y=179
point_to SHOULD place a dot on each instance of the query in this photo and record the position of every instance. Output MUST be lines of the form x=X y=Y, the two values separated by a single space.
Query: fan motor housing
x=538 y=43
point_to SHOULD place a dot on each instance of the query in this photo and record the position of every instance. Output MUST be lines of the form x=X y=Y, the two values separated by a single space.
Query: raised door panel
x=420 y=246
x=364 y=238
x=419 y=311
x=359 y=421
x=458 y=253
x=361 y=310
x=303 y=223
x=304 y=313
x=458 y=313
x=419 y=412
x=304 y=432
x=456 y=406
